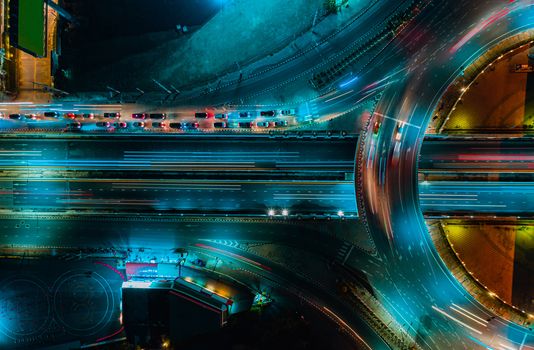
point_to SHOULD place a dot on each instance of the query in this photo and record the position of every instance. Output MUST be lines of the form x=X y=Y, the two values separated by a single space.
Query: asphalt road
x=187 y=175
x=408 y=275
x=477 y=156
x=472 y=198
x=412 y=280
x=196 y=197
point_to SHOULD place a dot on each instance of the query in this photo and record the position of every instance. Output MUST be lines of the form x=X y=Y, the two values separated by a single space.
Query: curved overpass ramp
x=410 y=277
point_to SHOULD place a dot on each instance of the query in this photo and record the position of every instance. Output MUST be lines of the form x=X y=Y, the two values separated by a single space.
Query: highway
x=461 y=155
x=185 y=175
x=472 y=198
x=195 y=197
x=407 y=274
x=470 y=177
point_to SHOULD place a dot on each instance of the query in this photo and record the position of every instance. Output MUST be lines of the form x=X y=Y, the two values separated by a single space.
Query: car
x=199 y=262
x=159 y=124
x=88 y=116
x=192 y=125
x=158 y=116
x=103 y=124
x=268 y=113
x=2 y=116
x=263 y=124
x=121 y=125
x=69 y=115
x=290 y=111
x=280 y=123
x=201 y=115
x=139 y=115
x=244 y=115
x=221 y=116
x=219 y=125
x=16 y=116
x=112 y=115
x=51 y=114
x=175 y=125
x=74 y=126
x=246 y=125
x=400 y=128
x=30 y=117
x=139 y=124
x=376 y=127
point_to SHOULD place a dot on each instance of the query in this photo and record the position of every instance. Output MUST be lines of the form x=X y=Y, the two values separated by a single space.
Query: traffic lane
x=477 y=197
x=491 y=154
x=139 y=149
x=200 y=196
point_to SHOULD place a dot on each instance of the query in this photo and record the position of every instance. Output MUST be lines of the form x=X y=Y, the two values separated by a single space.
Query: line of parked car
x=158 y=123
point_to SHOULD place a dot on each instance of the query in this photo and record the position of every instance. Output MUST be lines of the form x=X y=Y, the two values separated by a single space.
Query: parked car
x=88 y=116
x=112 y=115
x=268 y=113
x=280 y=123
x=158 y=116
x=139 y=116
x=221 y=116
x=51 y=114
x=139 y=124
x=74 y=126
x=175 y=125
x=103 y=124
x=219 y=125
x=16 y=116
x=263 y=124
x=246 y=125
x=290 y=111
x=69 y=115
x=159 y=125
x=244 y=115
x=30 y=117
x=201 y=115
x=121 y=125
x=193 y=125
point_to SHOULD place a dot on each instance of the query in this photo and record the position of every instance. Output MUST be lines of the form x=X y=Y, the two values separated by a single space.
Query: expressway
x=428 y=299
x=185 y=175
x=464 y=155
x=407 y=274
x=472 y=198
x=470 y=177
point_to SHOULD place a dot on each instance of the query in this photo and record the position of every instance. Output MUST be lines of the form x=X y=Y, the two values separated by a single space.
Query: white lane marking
x=456 y=320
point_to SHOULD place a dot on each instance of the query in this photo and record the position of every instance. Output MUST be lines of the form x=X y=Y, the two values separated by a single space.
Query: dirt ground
x=488 y=252
x=240 y=32
x=498 y=255
x=495 y=100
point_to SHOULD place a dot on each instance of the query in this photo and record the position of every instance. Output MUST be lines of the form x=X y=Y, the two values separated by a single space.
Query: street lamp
x=271 y=212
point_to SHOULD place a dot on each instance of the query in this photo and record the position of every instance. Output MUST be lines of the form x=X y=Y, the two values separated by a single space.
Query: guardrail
x=285 y=134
